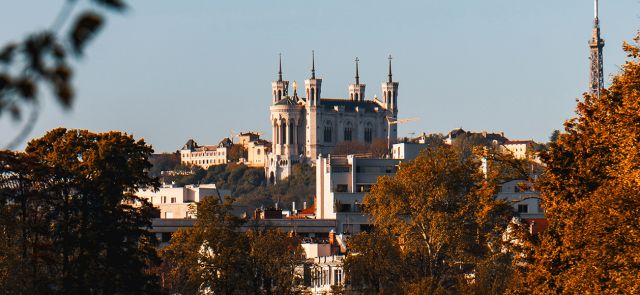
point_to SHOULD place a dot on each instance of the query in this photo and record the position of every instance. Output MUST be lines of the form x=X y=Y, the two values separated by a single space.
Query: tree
x=554 y=136
x=444 y=213
x=215 y=256
x=80 y=230
x=163 y=162
x=374 y=263
x=236 y=152
x=591 y=194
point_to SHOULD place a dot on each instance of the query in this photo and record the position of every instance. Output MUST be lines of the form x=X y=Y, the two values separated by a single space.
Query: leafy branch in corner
x=42 y=59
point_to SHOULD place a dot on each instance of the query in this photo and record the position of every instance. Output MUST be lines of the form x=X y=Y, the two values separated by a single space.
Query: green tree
x=591 y=194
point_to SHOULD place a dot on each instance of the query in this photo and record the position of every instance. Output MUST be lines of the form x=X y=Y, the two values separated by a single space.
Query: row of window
x=163 y=200
x=347 y=134
x=205 y=162
x=323 y=278
x=204 y=154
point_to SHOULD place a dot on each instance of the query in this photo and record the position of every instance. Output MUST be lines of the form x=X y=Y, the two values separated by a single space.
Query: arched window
x=291 y=139
x=348 y=131
x=328 y=132
x=368 y=133
x=283 y=132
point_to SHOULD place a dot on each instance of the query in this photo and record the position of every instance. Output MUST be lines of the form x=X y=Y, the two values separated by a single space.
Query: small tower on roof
x=279 y=88
x=390 y=92
x=313 y=86
x=356 y=91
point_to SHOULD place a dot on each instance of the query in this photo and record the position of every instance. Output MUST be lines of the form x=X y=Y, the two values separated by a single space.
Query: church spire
x=279 y=67
x=596 y=44
x=357 y=74
x=313 y=64
x=390 y=75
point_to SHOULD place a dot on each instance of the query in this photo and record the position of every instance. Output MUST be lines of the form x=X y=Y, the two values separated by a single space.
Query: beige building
x=520 y=149
x=205 y=156
x=305 y=127
x=257 y=149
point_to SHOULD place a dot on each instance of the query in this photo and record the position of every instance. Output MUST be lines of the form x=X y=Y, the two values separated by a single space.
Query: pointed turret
x=313 y=86
x=279 y=87
x=390 y=92
x=357 y=90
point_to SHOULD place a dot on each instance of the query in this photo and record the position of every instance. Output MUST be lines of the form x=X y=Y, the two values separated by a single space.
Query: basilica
x=306 y=126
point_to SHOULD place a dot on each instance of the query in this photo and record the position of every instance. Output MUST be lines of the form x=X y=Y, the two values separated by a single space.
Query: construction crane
x=392 y=121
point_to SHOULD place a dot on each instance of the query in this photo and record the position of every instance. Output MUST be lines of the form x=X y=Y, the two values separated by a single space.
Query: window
x=327 y=134
x=337 y=277
x=364 y=188
x=173 y=200
x=283 y=133
x=166 y=237
x=341 y=188
x=347 y=134
x=164 y=199
x=523 y=208
x=368 y=133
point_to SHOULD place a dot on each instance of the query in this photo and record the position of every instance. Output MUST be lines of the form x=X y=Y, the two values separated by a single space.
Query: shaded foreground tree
x=591 y=195
x=67 y=219
x=214 y=256
x=448 y=225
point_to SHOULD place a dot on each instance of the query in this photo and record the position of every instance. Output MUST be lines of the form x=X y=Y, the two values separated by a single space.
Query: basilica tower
x=596 y=81
x=390 y=93
x=356 y=91
x=313 y=87
x=279 y=87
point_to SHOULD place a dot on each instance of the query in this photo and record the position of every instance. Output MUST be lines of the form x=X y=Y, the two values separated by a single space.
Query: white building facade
x=180 y=202
x=341 y=184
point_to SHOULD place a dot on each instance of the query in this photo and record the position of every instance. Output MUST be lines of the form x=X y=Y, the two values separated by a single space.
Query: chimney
x=304 y=205
x=293 y=207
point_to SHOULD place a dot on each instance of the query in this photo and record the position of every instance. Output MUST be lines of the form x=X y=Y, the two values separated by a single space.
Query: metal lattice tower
x=596 y=44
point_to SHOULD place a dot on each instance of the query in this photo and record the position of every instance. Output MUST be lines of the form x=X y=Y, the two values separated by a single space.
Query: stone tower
x=596 y=44
x=313 y=87
x=390 y=102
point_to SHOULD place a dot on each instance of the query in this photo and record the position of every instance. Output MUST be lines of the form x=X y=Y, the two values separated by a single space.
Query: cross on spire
x=390 y=75
x=313 y=64
x=280 y=67
x=357 y=74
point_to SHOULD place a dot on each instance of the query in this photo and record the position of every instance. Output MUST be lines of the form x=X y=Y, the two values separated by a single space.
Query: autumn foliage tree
x=591 y=194
x=215 y=256
x=447 y=220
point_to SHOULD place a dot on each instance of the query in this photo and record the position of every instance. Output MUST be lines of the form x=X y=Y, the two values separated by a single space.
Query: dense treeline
x=67 y=225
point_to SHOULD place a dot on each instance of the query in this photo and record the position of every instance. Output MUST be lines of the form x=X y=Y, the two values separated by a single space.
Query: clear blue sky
x=168 y=71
